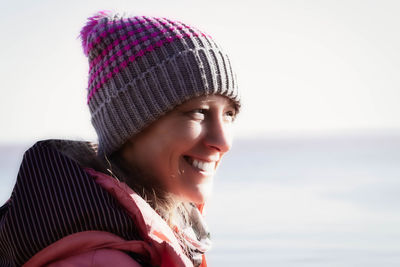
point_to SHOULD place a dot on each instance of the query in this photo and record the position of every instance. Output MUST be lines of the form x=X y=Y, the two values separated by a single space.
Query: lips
x=205 y=166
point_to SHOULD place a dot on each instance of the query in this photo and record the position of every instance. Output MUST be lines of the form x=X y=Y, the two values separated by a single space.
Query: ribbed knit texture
x=142 y=67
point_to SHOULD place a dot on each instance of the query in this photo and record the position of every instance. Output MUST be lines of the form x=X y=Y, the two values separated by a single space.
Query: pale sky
x=303 y=66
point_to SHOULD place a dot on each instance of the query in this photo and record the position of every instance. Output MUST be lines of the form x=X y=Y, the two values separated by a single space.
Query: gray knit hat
x=142 y=67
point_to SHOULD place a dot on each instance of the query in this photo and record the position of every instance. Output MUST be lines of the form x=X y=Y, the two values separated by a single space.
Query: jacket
x=66 y=211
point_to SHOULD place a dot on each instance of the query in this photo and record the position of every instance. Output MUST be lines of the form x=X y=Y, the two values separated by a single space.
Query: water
x=10 y=159
x=328 y=201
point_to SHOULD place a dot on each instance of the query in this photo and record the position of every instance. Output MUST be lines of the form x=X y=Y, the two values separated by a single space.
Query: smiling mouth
x=201 y=165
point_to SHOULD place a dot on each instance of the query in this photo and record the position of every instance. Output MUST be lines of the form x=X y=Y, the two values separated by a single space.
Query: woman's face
x=183 y=149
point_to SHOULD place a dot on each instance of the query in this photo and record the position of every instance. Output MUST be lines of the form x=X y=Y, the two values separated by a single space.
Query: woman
x=162 y=97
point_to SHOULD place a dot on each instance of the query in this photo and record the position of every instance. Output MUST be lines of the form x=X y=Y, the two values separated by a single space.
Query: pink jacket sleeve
x=98 y=258
x=90 y=248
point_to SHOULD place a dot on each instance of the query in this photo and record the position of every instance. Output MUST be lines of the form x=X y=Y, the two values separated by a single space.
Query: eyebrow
x=207 y=101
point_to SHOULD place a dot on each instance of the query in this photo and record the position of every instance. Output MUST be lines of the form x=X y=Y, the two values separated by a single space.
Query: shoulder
x=91 y=248
x=98 y=258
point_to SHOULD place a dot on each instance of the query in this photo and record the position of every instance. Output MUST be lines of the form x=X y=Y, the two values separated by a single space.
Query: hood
x=54 y=197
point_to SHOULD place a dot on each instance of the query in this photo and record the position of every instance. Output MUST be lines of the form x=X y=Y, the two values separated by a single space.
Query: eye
x=197 y=114
x=230 y=115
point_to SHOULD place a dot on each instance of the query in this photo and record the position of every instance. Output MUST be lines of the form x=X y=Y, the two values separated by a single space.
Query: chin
x=199 y=194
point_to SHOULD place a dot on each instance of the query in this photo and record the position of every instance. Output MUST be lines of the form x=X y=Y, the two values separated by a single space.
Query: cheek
x=189 y=132
x=229 y=131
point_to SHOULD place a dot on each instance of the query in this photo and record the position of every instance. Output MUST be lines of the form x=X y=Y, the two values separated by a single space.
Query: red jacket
x=95 y=248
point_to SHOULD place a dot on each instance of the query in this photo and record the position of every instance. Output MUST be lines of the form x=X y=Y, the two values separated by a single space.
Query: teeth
x=204 y=166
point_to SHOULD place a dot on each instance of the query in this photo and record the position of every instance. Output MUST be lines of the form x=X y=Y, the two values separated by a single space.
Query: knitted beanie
x=142 y=67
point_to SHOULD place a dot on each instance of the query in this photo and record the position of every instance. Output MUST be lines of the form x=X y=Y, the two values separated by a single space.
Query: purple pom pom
x=88 y=28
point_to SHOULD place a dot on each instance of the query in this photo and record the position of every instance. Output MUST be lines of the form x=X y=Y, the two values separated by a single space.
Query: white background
x=304 y=66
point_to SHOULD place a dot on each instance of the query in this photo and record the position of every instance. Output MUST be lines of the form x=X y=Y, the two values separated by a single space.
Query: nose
x=218 y=135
